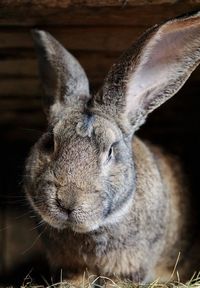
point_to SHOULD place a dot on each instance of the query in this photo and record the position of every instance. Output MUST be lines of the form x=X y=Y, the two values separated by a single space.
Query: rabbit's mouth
x=79 y=222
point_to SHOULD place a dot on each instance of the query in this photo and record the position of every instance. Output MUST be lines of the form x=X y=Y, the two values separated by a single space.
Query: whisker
x=41 y=223
x=25 y=214
x=6 y=227
x=34 y=242
x=18 y=218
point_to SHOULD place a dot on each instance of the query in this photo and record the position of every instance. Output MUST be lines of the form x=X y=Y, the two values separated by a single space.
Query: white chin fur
x=84 y=229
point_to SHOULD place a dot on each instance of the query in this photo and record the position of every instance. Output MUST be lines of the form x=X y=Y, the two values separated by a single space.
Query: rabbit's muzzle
x=73 y=216
x=73 y=203
x=66 y=208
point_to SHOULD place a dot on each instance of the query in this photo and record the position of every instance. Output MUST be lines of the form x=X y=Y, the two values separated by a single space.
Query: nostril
x=68 y=211
x=65 y=209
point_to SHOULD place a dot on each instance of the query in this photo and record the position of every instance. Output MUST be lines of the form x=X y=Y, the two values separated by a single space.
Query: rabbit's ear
x=63 y=78
x=151 y=71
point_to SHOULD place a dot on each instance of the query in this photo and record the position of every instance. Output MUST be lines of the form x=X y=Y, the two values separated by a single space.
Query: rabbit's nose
x=64 y=208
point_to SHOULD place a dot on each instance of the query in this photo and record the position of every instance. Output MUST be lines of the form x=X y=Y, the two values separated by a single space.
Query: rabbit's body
x=112 y=204
x=146 y=242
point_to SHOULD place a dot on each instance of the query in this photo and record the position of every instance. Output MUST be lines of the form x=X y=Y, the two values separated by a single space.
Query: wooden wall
x=93 y=31
x=96 y=32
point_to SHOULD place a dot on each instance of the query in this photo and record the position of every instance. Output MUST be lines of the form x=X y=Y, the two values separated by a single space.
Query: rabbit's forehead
x=86 y=127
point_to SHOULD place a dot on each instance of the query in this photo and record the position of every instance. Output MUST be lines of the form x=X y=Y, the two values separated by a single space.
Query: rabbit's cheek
x=44 y=203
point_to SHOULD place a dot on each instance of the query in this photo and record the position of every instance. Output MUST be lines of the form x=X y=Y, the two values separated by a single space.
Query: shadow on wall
x=21 y=252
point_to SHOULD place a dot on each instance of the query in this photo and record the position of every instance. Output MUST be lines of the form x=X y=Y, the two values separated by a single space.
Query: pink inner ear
x=163 y=60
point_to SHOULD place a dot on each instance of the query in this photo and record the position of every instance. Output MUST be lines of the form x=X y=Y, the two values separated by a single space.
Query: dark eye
x=110 y=153
x=48 y=143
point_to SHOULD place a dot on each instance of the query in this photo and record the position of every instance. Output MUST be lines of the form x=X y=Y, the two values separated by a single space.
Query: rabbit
x=112 y=204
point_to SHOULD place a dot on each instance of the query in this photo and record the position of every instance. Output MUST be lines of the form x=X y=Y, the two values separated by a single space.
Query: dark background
x=95 y=33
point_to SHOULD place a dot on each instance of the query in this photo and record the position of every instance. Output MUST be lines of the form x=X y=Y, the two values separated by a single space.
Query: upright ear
x=151 y=71
x=64 y=80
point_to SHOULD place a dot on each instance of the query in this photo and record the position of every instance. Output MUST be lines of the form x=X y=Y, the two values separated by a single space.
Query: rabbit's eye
x=110 y=153
x=48 y=143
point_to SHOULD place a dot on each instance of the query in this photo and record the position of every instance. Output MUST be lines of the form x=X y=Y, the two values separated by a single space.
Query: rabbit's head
x=81 y=173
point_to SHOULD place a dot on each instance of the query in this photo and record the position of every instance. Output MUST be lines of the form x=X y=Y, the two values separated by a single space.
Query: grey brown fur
x=113 y=204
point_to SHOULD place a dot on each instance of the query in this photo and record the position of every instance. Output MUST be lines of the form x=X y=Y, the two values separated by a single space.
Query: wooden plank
x=20 y=104
x=19 y=87
x=27 y=119
x=43 y=4
x=76 y=38
x=12 y=68
x=145 y=15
